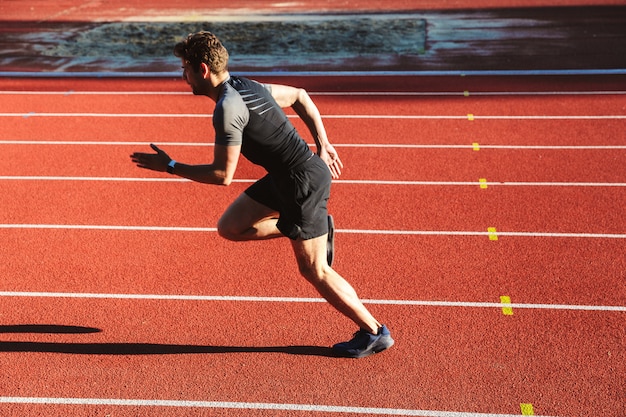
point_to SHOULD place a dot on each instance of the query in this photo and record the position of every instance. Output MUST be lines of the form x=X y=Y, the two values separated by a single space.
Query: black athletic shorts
x=300 y=196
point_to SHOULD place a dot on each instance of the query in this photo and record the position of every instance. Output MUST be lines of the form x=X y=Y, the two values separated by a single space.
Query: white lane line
x=246 y=406
x=102 y=143
x=149 y=115
x=479 y=183
x=330 y=116
x=475 y=117
x=472 y=233
x=482 y=146
x=104 y=179
x=336 y=145
x=336 y=93
x=258 y=299
x=162 y=297
x=553 y=147
x=350 y=231
x=548 y=117
x=109 y=227
x=558 y=184
x=362 y=182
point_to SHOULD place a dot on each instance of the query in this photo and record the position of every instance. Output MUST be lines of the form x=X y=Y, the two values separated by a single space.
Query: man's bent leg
x=247 y=219
x=313 y=265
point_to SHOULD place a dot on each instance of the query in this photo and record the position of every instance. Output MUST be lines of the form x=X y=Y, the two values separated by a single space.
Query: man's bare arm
x=220 y=172
x=300 y=101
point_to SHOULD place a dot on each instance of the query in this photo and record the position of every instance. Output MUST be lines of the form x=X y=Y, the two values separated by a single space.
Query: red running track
x=118 y=297
x=113 y=10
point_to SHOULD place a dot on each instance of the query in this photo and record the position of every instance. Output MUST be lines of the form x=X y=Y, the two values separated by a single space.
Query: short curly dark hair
x=203 y=47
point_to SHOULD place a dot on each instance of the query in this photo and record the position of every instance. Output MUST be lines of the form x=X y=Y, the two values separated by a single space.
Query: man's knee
x=227 y=230
x=310 y=255
x=312 y=272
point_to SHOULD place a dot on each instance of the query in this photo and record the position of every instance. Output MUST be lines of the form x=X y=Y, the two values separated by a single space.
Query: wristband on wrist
x=170 y=166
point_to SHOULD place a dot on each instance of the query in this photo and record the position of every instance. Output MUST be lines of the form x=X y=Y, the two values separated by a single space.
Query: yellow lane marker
x=492 y=233
x=475 y=146
x=527 y=409
x=483 y=182
x=470 y=117
x=507 y=311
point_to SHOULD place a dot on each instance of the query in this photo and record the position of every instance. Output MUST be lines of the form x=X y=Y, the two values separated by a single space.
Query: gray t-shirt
x=246 y=114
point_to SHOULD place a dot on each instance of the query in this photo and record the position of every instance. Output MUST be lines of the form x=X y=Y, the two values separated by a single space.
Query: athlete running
x=291 y=200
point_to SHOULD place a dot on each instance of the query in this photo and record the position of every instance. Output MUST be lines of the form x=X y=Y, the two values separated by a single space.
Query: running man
x=291 y=200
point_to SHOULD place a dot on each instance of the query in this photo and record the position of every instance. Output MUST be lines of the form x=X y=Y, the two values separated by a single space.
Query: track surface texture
x=481 y=217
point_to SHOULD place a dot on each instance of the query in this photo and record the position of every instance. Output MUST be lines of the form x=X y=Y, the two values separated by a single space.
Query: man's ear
x=205 y=70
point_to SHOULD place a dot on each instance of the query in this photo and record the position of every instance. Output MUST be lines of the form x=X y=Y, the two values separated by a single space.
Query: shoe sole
x=376 y=349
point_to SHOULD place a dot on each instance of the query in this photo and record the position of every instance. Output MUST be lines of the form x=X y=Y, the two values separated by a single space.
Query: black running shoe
x=365 y=344
x=330 y=243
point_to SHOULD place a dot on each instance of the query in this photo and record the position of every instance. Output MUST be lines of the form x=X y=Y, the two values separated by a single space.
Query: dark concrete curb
x=521 y=39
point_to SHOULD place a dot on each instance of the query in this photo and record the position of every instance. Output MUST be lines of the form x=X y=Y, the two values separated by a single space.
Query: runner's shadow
x=156 y=349
x=134 y=348
x=47 y=328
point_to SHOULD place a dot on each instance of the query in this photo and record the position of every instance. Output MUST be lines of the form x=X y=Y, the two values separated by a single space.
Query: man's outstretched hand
x=155 y=161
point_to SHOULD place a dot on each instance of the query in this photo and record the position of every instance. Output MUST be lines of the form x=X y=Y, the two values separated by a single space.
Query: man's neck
x=217 y=83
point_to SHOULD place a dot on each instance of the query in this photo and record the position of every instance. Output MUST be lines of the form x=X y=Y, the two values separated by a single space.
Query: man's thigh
x=247 y=216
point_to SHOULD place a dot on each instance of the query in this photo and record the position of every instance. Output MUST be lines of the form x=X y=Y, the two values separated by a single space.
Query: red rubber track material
x=80 y=10
x=419 y=253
